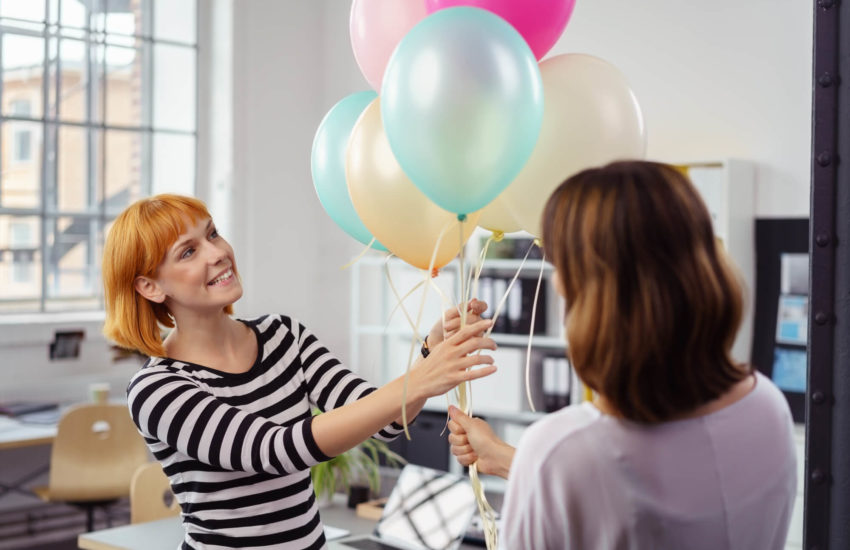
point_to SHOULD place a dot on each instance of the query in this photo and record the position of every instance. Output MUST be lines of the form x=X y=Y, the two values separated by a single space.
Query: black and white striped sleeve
x=330 y=384
x=170 y=407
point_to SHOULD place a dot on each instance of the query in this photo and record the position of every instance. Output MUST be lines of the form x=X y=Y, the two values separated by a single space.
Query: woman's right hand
x=473 y=441
x=450 y=362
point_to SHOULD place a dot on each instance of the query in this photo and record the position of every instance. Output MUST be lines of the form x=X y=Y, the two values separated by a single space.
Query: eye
x=214 y=233
x=186 y=253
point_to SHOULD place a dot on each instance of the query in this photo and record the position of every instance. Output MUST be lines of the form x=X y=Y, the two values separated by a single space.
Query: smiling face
x=198 y=274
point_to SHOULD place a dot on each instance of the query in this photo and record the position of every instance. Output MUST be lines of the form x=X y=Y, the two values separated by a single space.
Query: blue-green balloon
x=462 y=106
x=327 y=163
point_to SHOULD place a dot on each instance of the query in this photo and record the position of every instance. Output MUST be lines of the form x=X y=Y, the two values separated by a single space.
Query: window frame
x=51 y=121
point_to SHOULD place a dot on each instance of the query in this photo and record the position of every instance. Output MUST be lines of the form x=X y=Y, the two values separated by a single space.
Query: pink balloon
x=540 y=22
x=376 y=27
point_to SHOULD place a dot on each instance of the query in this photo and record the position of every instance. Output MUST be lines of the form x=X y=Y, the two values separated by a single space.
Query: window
x=21 y=137
x=22 y=251
x=97 y=109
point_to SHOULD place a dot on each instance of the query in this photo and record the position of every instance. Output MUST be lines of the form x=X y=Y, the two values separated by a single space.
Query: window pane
x=73 y=16
x=74 y=80
x=32 y=10
x=122 y=177
x=23 y=66
x=174 y=87
x=123 y=86
x=173 y=164
x=21 y=168
x=175 y=20
x=20 y=263
x=70 y=260
x=73 y=168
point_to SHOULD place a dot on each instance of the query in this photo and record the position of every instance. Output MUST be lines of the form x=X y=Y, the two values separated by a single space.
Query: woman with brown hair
x=681 y=447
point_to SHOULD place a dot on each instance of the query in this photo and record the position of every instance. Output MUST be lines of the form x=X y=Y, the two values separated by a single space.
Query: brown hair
x=136 y=245
x=652 y=304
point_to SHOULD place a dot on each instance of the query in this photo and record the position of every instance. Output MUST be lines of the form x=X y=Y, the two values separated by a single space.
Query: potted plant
x=357 y=468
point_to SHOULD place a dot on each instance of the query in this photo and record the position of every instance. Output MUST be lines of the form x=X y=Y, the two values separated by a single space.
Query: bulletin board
x=780 y=327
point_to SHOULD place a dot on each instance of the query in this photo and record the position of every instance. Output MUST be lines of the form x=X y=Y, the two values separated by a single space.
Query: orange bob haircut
x=136 y=246
x=653 y=305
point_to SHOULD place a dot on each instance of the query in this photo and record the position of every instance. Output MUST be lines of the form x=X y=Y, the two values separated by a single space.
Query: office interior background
x=238 y=90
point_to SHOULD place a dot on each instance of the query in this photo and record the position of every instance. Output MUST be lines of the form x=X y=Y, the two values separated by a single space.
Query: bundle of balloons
x=465 y=124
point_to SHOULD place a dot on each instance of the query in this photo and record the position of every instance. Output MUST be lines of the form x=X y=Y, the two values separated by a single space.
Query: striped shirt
x=238 y=447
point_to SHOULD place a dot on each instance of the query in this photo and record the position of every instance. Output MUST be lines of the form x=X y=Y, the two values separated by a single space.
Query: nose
x=215 y=254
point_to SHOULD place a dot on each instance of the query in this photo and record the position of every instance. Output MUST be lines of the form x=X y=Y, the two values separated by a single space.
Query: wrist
x=425 y=350
x=506 y=457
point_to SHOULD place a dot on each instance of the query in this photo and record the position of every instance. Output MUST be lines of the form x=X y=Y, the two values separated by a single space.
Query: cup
x=99 y=392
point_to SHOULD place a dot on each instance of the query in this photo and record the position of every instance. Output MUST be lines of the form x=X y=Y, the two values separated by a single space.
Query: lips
x=222 y=277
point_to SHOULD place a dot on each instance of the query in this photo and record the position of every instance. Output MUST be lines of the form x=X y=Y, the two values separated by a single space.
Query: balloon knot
x=435 y=272
x=538 y=242
x=498 y=236
x=461 y=217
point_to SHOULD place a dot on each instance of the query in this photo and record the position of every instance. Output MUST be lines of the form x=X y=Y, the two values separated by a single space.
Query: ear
x=149 y=289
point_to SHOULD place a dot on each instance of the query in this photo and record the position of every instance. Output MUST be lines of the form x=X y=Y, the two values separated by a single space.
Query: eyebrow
x=184 y=242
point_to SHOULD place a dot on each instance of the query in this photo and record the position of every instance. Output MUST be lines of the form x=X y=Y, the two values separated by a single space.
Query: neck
x=194 y=333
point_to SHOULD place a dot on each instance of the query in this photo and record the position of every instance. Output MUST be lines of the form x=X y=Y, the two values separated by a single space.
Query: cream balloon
x=590 y=117
x=496 y=217
x=394 y=210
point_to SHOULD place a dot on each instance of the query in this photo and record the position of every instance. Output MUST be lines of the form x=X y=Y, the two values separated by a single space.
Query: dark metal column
x=827 y=483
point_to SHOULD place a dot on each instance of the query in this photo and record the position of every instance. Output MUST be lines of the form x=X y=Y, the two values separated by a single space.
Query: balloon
x=462 y=105
x=327 y=163
x=496 y=217
x=591 y=118
x=393 y=209
x=376 y=26
x=540 y=22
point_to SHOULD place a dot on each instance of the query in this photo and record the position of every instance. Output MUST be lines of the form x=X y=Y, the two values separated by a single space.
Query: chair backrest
x=150 y=495
x=96 y=451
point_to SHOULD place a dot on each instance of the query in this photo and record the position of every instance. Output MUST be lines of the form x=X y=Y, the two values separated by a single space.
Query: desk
x=167 y=534
x=14 y=433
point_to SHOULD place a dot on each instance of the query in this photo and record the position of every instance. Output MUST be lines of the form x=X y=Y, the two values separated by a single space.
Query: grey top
x=725 y=480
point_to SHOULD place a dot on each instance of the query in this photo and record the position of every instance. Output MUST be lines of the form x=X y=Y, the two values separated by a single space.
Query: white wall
x=289 y=250
x=28 y=373
x=715 y=79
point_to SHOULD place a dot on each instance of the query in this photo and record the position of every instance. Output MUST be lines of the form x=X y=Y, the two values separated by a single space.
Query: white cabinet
x=728 y=189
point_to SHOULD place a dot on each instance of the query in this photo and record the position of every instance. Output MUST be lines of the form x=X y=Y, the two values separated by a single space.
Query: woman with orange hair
x=225 y=404
x=681 y=447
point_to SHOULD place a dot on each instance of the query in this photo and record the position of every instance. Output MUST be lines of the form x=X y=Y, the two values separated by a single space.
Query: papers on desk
x=49 y=417
x=333 y=533
x=20 y=408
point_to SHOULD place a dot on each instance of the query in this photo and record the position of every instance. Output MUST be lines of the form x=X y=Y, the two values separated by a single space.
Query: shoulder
x=565 y=431
x=764 y=405
x=275 y=325
x=161 y=368
x=271 y=321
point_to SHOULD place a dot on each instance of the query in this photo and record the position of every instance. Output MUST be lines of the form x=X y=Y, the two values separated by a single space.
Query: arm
x=448 y=365
x=472 y=440
x=171 y=410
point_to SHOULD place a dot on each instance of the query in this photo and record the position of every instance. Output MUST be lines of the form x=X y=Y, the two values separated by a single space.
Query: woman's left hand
x=474 y=310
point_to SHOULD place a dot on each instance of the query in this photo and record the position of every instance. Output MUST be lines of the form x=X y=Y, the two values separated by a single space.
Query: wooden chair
x=95 y=453
x=150 y=495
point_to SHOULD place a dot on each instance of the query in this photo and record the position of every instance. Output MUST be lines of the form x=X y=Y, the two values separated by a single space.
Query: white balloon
x=590 y=117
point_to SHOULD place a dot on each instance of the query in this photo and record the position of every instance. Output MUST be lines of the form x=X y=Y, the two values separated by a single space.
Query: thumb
x=458 y=416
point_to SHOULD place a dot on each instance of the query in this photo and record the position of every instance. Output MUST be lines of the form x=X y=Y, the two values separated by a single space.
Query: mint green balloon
x=462 y=106
x=327 y=163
